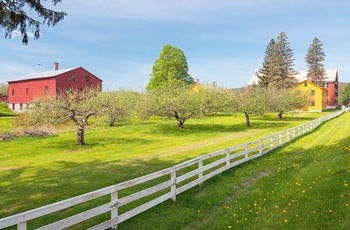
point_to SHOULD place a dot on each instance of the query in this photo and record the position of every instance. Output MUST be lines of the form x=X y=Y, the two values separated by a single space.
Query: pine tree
x=284 y=74
x=265 y=74
x=13 y=16
x=314 y=58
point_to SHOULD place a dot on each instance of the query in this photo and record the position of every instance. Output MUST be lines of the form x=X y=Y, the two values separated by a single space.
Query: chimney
x=197 y=81
x=55 y=66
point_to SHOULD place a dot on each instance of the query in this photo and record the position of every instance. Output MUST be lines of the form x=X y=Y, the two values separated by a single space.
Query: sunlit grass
x=42 y=170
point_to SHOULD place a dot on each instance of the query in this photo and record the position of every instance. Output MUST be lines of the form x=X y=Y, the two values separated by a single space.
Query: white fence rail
x=159 y=186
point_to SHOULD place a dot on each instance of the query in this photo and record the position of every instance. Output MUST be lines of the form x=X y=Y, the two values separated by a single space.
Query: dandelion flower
x=285 y=220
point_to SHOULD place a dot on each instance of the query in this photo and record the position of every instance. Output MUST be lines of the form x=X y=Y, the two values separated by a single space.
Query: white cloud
x=17 y=33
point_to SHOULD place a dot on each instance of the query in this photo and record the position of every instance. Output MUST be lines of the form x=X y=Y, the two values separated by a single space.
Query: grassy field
x=39 y=171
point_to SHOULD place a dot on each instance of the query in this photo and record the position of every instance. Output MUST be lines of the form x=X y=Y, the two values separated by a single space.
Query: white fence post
x=114 y=210
x=228 y=157
x=246 y=151
x=200 y=174
x=22 y=226
x=261 y=147
x=173 y=185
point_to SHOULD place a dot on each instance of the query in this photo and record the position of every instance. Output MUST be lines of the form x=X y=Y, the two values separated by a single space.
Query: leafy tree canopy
x=314 y=58
x=14 y=16
x=73 y=105
x=3 y=89
x=171 y=65
x=344 y=98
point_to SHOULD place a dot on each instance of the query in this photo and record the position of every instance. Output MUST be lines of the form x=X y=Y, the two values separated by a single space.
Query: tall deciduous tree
x=284 y=76
x=73 y=105
x=314 y=58
x=171 y=65
x=14 y=16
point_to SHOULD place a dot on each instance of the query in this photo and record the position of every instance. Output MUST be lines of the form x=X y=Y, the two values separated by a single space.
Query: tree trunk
x=280 y=115
x=247 y=120
x=181 y=124
x=80 y=136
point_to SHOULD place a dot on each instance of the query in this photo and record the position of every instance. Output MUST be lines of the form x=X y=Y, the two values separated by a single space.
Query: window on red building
x=13 y=106
x=20 y=106
x=87 y=78
x=72 y=77
x=27 y=90
x=13 y=92
x=46 y=89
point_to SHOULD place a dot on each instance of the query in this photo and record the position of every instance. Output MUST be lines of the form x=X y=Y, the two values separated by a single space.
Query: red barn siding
x=35 y=89
x=65 y=81
x=25 y=91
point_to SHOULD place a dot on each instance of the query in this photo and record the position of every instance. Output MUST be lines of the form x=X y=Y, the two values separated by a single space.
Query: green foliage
x=344 y=97
x=277 y=71
x=314 y=58
x=176 y=100
x=3 y=89
x=75 y=105
x=256 y=101
x=171 y=65
x=285 y=100
x=118 y=105
x=14 y=17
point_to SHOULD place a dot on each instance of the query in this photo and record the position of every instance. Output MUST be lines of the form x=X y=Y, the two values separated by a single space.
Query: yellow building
x=317 y=94
x=197 y=86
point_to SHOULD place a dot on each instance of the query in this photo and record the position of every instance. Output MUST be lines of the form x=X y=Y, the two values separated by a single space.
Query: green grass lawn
x=39 y=171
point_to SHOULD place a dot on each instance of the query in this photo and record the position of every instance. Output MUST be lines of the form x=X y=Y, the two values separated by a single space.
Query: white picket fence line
x=194 y=172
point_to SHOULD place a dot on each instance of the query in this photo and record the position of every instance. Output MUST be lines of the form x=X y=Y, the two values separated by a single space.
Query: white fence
x=153 y=189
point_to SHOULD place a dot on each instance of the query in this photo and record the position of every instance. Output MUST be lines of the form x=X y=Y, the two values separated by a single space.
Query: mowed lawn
x=39 y=171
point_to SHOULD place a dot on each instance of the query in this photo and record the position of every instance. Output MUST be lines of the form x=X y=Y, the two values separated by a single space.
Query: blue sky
x=223 y=40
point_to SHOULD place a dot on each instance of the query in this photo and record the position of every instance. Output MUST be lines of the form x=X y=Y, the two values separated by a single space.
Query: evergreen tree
x=13 y=16
x=284 y=74
x=265 y=74
x=170 y=66
x=314 y=58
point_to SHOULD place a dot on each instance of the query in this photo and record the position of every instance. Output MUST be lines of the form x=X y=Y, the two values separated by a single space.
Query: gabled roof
x=330 y=76
x=40 y=75
x=309 y=82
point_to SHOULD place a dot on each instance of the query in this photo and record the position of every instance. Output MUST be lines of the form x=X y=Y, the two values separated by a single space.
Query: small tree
x=344 y=97
x=314 y=58
x=171 y=65
x=13 y=16
x=285 y=100
x=176 y=100
x=118 y=105
x=75 y=105
x=3 y=89
x=257 y=101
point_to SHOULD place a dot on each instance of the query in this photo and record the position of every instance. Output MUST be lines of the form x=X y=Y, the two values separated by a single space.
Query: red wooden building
x=23 y=90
